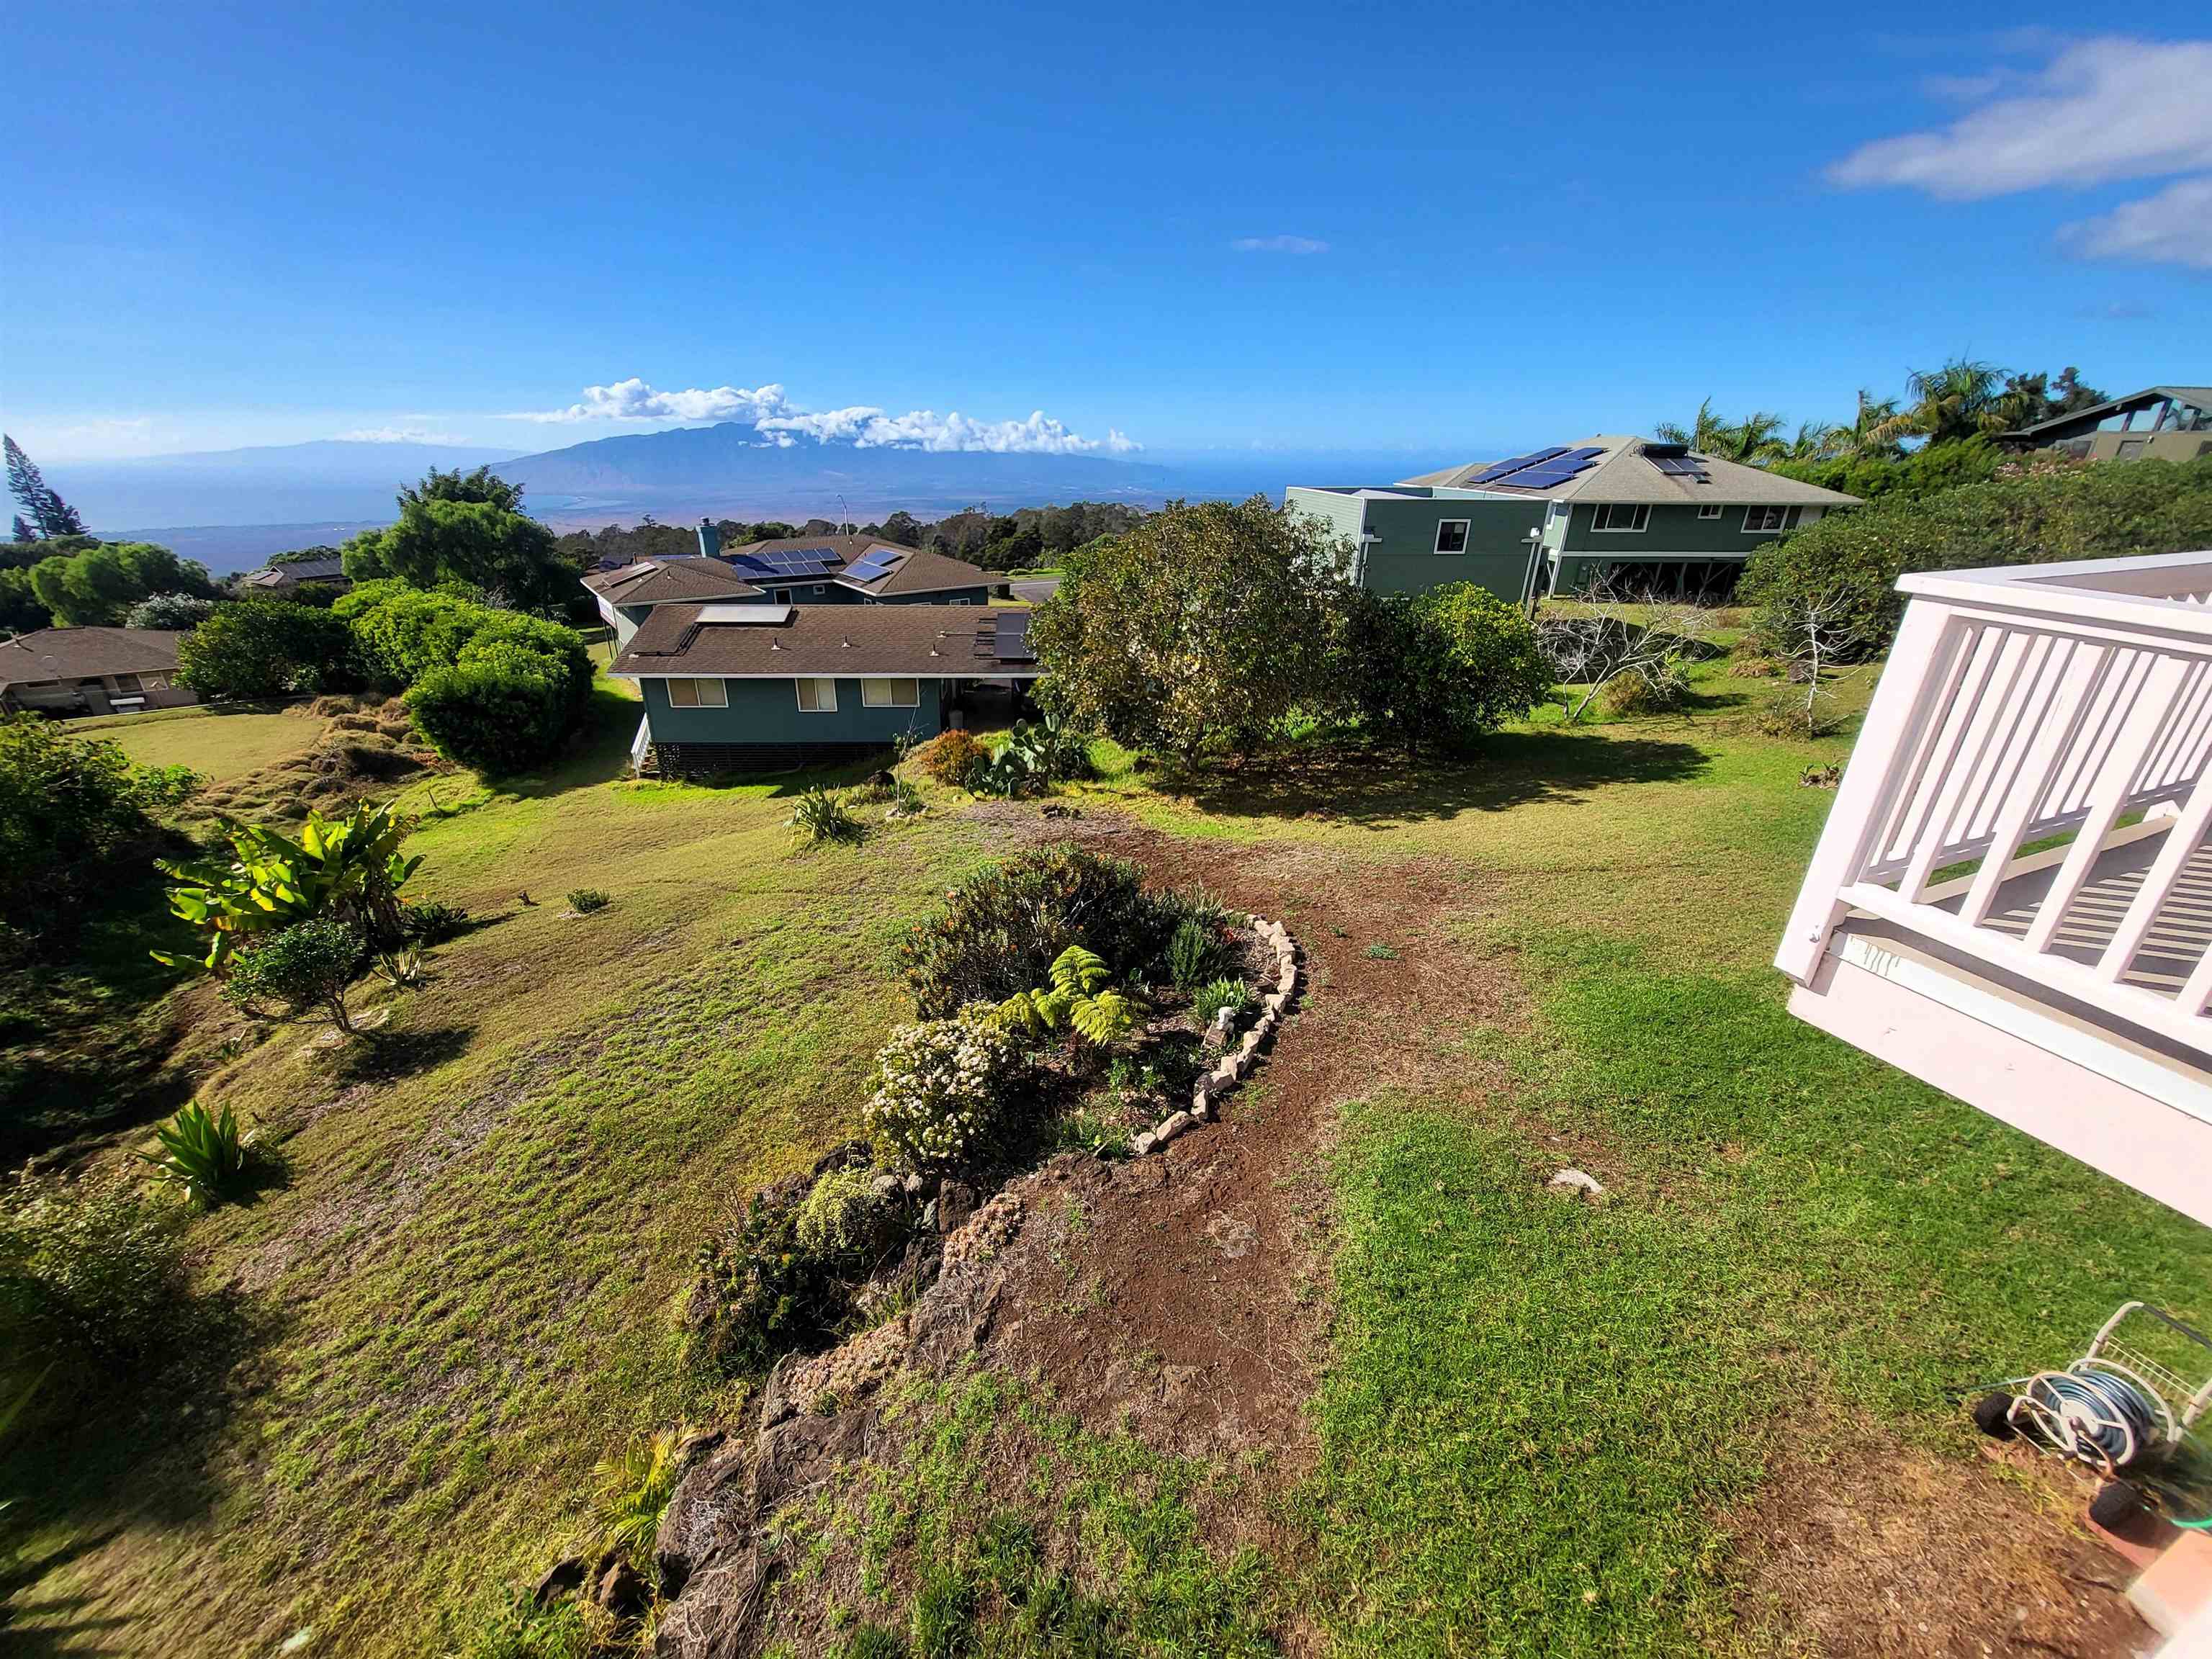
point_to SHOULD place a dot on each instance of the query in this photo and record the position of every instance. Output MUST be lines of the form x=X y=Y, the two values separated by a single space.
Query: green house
x=1650 y=514
x=755 y=687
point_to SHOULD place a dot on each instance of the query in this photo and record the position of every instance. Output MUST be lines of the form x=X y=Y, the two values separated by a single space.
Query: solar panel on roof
x=754 y=563
x=1502 y=468
x=1013 y=638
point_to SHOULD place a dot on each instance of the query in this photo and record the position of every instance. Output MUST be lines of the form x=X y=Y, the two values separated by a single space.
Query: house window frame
x=1466 y=535
x=780 y=595
x=1639 y=513
x=697 y=685
x=823 y=684
x=129 y=685
x=889 y=700
x=1710 y=510
x=1762 y=528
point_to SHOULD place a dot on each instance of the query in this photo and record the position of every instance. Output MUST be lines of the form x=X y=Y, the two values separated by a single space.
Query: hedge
x=2107 y=509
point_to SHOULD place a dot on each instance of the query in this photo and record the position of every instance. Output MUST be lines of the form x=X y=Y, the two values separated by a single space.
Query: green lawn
x=218 y=747
x=1537 y=1418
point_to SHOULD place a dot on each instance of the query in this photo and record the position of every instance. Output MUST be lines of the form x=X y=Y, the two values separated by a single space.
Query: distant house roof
x=53 y=654
x=1636 y=470
x=294 y=572
x=921 y=641
x=868 y=564
x=2083 y=420
x=664 y=581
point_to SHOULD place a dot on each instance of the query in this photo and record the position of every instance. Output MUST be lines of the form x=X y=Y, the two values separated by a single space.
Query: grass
x=218 y=747
x=1539 y=1417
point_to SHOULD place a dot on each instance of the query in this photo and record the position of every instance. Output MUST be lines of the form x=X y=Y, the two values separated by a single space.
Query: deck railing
x=2031 y=721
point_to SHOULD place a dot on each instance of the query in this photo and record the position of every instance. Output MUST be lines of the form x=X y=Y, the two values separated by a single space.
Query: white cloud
x=1280 y=245
x=2171 y=228
x=398 y=435
x=634 y=400
x=2103 y=110
x=782 y=424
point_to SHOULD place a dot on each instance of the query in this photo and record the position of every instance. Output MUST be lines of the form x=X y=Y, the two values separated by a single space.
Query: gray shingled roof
x=1623 y=474
x=79 y=653
x=664 y=581
x=924 y=642
x=2199 y=396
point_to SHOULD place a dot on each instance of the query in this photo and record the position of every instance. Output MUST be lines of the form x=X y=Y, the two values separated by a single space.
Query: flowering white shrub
x=939 y=1087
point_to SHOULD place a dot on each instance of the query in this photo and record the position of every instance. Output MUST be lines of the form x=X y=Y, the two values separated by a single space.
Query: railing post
x=1903 y=705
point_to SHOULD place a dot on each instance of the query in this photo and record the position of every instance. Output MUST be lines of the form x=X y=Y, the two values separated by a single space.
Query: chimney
x=710 y=540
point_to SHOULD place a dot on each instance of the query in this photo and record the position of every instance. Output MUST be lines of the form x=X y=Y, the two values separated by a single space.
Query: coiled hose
x=2096 y=1417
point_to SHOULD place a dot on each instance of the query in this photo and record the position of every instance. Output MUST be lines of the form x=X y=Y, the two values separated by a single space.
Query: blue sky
x=1295 y=226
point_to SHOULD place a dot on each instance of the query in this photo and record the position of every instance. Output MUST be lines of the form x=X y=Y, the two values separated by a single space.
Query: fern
x=1080 y=997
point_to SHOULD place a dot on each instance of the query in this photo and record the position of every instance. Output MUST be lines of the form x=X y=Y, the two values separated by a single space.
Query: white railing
x=2018 y=707
x=641 y=743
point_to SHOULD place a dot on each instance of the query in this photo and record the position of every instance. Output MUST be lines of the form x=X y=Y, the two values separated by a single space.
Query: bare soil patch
x=1871 y=1548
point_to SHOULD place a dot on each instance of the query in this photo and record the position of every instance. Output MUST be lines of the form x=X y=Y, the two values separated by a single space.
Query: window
x=1765 y=520
x=817 y=696
x=1451 y=535
x=127 y=683
x=697 y=694
x=817 y=591
x=781 y=596
x=890 y=694
x=963 y=601
x=1619 y=516
x=1713 y=512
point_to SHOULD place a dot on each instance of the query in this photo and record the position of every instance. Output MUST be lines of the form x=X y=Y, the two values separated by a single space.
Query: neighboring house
x=91 y=671
x=2012 y=896
x=2160 y=423
x=1550 y=521
x=626 y=596
x=327 y=575
x=852 y=570
x=755 y=687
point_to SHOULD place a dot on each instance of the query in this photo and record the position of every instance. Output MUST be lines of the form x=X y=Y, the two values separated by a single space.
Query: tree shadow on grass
x=386 y=1055
x=1376 y=790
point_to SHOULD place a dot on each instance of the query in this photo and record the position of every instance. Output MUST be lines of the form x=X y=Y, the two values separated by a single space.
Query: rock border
x=1238 y=1063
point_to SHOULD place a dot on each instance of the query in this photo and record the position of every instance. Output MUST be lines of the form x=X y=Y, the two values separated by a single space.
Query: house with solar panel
x=1654 y=515
x=806 y=570
x=758 y=686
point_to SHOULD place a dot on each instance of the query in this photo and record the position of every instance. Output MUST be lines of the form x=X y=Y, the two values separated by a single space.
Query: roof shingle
x=1623 y=474
x=926 y=641
x=74 y=653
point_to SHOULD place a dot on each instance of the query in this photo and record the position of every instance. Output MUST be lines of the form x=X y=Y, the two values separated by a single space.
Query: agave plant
x=1080 y=997
x=348 y=869
x=822 y=815
x=201 y=1153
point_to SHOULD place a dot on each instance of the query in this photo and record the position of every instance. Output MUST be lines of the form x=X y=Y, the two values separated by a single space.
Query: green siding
x=1673 y=532
x=1405 y=560
x=767 y=711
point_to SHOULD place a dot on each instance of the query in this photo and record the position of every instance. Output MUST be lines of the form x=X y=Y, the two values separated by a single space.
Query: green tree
x=513 y=560
x=69 y=806
x=483 y=488
x=95 y=585
x=1201 y=628
x=265 y=648
x=1438 y=670
x=50 y=515
x=1705 y=435
x=1961 y=399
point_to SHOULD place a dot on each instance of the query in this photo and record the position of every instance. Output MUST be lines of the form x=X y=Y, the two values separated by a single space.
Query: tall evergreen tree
x=50 y=514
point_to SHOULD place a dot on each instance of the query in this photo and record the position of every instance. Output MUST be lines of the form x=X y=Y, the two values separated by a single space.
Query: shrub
x=1665 y=686
x=1194 y=949
x=266 y=648
x=90 y=1274
x=631 y=1491
x=433 y=921
x=1926 y=472
x=176 y=611
x=1203 y=626
x=1211 y=999
x=1001 y=930
x=201 y=1153
x=299 y=972
x=1853 y=560
x=761 y=1293
x=844 y=1217
x=1079 y=997
x=585 y=900
x=905 y=801
x=502 y=708
x=1440 y=668
x=70 y=808
x=941 y=1086
x=822 y=816
x=1034 y=754
x=953 y=758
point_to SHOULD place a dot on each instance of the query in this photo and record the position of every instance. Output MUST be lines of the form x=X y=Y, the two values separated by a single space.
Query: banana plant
x=349 y=868
x=1080 y=997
